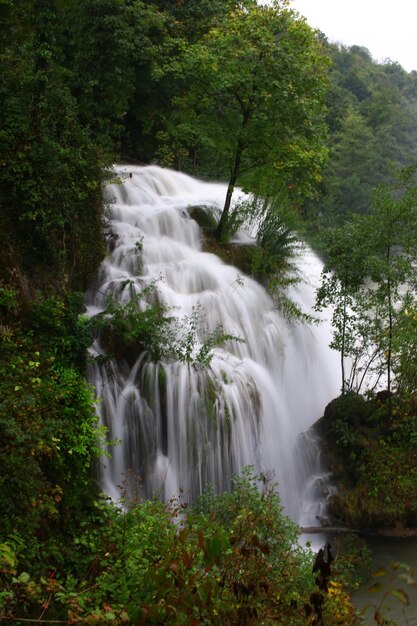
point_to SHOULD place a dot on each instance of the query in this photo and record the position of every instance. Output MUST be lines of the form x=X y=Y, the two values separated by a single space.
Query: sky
x=387 y=28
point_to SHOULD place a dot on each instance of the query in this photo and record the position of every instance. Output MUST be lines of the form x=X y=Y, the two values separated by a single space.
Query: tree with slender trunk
x=369 y=280
x=252 y=103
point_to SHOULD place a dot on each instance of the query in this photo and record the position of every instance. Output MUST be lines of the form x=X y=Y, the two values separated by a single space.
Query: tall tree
x=341 y=279
x=351 y=169
x=253 y=96
x=392 y=258
x=372 y=126
x=370 y=281
x=51 y=166
x=67 y=78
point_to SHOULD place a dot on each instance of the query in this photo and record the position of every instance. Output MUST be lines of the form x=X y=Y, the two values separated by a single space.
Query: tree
x=369 y=280
x=52 y=168
x=372 y=129
x=391 y=262
x=350 y=175
x=252 y=101
x=341 y=280
x=192 y=18
x=101 y=46
x=404 y=348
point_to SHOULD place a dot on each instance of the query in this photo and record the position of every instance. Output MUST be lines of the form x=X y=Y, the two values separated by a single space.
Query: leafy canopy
x=252 y=101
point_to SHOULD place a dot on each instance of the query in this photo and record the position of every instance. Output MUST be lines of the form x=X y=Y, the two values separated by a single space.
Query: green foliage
x=369 y=280
x=58 y=324
x=371 y=117
x=137 y=324
x=404 y=347
x=52 y=167
x=143 y=324
x=274 y=259
x=261 y=118
x=8 y=299
x=341 y=280
x=230 y=559
x=101 y=44
x=275 y=225
x=270 y=259
x=353 y=560
x=186 y=348
x=68 y=74
x=48 y=426
x=264 y=571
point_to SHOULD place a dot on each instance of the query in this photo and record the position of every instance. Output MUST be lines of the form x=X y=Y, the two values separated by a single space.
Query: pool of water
x=386 y=551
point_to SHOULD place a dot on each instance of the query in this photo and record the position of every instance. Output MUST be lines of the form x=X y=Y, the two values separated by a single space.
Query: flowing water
x=184 y=425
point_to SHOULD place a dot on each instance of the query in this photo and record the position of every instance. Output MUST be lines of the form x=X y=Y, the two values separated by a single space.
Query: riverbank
x=393 y=593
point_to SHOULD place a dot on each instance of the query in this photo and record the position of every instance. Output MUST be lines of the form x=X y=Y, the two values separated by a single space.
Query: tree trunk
x=246 y=113
x=230 y=188
x=390 y=326
x=389 y=355
x=342 y=351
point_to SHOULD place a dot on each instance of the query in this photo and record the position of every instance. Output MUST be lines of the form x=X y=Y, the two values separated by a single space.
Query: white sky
x=388 y=28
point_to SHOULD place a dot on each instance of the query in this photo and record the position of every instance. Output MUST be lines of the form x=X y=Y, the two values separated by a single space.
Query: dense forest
x=327 y=138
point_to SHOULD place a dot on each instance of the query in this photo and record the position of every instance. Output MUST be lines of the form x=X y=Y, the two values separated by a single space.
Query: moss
x=204 y=218
x=239 y=255
x=350 y=408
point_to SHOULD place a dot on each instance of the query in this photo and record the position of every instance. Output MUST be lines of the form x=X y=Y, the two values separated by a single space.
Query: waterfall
x=186 y=425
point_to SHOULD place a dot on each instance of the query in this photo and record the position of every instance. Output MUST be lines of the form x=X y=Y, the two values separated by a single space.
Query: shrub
x=231 y=559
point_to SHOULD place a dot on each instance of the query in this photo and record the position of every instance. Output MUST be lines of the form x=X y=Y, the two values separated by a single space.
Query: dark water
x=386 y=551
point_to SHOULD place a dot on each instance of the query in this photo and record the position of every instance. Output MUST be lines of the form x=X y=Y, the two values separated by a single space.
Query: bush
x=230 y=559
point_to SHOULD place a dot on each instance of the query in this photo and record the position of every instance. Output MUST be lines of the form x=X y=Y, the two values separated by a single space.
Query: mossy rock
x=359 y=507
x=351 y=408
x=204 y=217
x=372 y=462
x=117 y=348
x=238 y=255
x=241 y=255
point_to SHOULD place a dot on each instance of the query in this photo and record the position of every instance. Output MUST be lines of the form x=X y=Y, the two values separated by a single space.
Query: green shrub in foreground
x=232 y=558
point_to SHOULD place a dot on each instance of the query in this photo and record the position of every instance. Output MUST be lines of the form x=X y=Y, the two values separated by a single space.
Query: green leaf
x=7 y=554
x=375 y=588
x=24 y=577
x=401 y=596
x=381 y=571
x=214 y=547
x=110 y=617
x=202 y=594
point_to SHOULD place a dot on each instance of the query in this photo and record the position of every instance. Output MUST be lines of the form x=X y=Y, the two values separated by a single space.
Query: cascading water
x=186 y=425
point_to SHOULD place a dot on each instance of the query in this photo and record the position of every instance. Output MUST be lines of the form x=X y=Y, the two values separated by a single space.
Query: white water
x=256 y=397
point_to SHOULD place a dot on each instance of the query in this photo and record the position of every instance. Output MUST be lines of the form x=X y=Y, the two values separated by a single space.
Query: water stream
x=185 y=425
